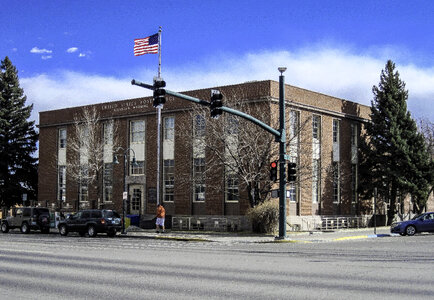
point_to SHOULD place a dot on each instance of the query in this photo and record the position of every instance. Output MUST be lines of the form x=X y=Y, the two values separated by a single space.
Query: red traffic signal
x=273 y=171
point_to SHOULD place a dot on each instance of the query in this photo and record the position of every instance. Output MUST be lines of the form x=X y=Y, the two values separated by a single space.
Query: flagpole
x=159 y=123
x=159 y=52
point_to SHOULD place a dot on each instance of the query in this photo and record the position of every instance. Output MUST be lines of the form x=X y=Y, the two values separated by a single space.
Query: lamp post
x=282 y=156
x=134 y=163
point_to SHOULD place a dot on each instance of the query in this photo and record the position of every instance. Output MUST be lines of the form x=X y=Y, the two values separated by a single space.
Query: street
x=48 y=266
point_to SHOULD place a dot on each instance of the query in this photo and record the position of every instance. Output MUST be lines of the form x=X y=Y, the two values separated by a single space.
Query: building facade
x=323 y=135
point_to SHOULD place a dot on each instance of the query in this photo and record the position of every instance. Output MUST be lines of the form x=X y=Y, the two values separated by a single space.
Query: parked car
x=92 y=222
x=27 y=218
x=420 y=223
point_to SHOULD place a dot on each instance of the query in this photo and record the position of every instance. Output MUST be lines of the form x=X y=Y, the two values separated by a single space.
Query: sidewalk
x=241 y=237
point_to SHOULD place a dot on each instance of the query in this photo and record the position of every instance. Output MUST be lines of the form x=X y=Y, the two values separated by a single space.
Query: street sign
x=125 y=195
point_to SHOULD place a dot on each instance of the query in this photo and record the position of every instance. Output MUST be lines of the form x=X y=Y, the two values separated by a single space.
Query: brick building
x=323 y=133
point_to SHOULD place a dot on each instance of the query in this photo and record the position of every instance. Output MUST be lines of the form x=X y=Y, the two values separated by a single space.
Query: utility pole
x=282 y=156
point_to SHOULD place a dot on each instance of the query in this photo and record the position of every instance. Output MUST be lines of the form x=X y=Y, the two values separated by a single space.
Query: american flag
x=147 y=45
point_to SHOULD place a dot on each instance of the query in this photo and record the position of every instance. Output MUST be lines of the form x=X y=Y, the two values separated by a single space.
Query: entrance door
x=136 y=199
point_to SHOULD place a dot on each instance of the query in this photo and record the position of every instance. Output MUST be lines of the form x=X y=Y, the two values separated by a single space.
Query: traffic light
x=273 y=171
x=216 y=103
x=159 y=92
x=292 y=172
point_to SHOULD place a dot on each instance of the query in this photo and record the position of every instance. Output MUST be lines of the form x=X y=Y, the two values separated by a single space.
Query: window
x=108 y=133
x=27 y=212
x=199 y=159
x=108 y=182
x=97 y=214
x=294 y=120
x=316 y=176
x=335 y=131
x=135 y=199
x=292 y=192
x=61 y=183
x=138 y=168
x=169 y=128
x=336 y=183
x=84 y=188
x=84 y=193
x=85 y=215
x=137 y=131
x=316 y=127
x=294 y=134
x=62 y=138
x=199 y=126
x=353 y=134
x=199 y=179
x=353 y=183
x=232 y=191
x=169 y=179
x=233 y=125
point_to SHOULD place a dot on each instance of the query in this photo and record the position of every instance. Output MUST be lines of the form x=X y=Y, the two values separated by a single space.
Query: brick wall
x=304 y=101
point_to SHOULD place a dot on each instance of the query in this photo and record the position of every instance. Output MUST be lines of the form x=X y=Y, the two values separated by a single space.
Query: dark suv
x=91 y=221
x=27 y=218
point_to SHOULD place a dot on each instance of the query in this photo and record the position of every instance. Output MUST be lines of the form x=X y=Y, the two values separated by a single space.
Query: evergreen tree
x=394 y=160
x=18 y=168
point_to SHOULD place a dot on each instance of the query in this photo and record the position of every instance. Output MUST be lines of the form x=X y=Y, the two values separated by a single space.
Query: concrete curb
x=357 y=237
x=293 y=237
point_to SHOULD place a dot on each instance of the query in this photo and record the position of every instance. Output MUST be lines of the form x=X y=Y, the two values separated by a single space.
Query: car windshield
x=111 y=214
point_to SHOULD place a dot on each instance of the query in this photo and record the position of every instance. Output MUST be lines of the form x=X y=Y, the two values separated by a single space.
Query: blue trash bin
x=134 y=220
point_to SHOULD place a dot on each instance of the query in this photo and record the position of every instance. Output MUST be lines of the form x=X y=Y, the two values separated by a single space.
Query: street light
x=282 y=156
x=134 y=163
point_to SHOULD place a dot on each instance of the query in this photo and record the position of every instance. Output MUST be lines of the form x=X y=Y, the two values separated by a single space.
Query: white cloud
x=72 y=50
x=82 y=55
x=40 y=51
x=334 y=71
x=45 y=57
x=67 y=89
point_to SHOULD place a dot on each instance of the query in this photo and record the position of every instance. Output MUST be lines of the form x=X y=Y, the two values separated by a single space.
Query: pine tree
x=394 y=160
x=18 y=168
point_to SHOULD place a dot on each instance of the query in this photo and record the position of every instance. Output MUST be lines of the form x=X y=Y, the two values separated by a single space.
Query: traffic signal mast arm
x=280 y=135
x=144 y=85
x=273 y=131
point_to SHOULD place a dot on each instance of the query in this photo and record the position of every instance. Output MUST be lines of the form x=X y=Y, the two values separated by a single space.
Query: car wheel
x=25 y=228
x=63 y=230
x=111 y=233
x=410 y=230
x=5 y=227
x=91 y=231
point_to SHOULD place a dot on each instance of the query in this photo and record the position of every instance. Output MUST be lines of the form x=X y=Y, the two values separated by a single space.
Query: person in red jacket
x=161 y=215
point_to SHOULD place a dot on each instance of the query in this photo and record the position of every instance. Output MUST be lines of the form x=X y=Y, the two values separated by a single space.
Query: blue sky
x=71 y=53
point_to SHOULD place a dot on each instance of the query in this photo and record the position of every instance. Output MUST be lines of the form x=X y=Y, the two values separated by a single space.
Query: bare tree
x=235 y=147
x=426 y=127
x=88 y=146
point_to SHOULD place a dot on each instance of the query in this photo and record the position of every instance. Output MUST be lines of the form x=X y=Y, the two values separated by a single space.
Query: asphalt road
x=37 y=266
